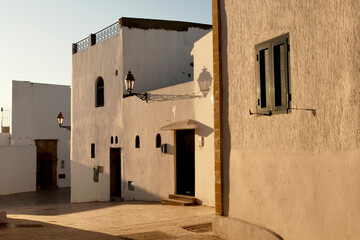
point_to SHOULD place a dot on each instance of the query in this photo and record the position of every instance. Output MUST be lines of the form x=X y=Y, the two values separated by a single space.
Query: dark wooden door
x=185 y=162
x=115 y=172
x=46 y=163
x=45 y=170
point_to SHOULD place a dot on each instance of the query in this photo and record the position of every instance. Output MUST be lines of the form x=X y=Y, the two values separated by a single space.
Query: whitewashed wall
x=92 y=124
x=35 y=107
x=18 y=169
x=157 y=58
x=153 y=172
x=4 y=139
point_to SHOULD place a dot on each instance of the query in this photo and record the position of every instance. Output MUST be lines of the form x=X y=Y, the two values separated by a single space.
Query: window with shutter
x=272 y=74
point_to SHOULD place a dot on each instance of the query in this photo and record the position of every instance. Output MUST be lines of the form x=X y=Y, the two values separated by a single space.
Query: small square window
x=272 y=75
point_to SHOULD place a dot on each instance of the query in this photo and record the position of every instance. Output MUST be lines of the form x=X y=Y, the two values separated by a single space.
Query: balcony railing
x=107 y=32
x=100 y=36
x=83 y=44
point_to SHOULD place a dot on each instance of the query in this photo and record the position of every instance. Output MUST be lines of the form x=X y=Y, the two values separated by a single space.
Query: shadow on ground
x=52 y=202
x=24 y=229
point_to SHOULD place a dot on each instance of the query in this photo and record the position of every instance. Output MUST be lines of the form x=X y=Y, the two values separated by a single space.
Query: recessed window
x=137 y=141
x=272 y=73
x=93 y=150
x=116 y=140
x=158 y=140
x=111 y=140
x=99 y=98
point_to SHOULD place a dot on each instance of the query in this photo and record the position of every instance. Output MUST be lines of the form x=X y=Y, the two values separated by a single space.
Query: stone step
x=3 y=219
x=183 y=197
x=115 y=199
x=176 y=202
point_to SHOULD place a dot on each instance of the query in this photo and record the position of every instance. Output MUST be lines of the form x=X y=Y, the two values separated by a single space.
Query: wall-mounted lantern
x=129 y=85
x=60 y=120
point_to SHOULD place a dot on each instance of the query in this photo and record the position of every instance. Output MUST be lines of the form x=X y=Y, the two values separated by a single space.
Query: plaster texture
x=158 y=58
x=295 y=174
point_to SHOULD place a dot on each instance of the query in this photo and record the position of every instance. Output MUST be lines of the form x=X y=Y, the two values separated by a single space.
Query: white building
x=36 y=152
x=116 y=141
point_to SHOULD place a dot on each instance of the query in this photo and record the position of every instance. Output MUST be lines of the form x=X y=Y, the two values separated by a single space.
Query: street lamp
x=60 y=120
x=129 y=85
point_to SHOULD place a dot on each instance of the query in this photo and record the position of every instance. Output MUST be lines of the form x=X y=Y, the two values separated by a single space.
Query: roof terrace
x=139 y=23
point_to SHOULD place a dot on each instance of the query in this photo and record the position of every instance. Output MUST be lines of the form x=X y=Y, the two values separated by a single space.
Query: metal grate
x=204 y=227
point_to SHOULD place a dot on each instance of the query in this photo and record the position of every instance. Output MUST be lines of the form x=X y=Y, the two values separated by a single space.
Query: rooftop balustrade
x=96 y=38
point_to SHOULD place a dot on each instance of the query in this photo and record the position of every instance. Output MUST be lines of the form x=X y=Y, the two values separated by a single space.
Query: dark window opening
x=137 y=142
x=116 y=140
x=111 y=140
x=93 y=150
x=99 y=102
x=158 y=140
x=262 y=79
x=278 y=66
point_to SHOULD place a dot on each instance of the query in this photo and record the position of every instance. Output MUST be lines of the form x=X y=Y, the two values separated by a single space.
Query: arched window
x=99 y=98
x=137 y=142
x=158 y=140
x=116 y=140
x=111 y=140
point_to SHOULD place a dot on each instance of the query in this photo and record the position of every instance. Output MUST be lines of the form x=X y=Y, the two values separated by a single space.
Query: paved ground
x=49 y=215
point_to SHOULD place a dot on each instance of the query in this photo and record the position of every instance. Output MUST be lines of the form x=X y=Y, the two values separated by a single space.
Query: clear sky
x=36 y=36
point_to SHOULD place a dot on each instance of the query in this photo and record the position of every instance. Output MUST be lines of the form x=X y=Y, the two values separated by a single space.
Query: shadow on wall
x=18 y=227
x=205 y=81
x=93 y=190
x=203 y=130
x=225 y=129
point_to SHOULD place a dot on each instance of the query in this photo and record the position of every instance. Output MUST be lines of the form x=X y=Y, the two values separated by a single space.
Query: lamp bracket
x=66 y=127
x=142 y=96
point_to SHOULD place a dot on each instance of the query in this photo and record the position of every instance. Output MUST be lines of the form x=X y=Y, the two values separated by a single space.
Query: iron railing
x=83 y=44
x=100 y=36
x=108 y=32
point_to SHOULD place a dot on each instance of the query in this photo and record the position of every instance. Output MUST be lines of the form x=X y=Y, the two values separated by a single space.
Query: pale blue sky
x=36 y=36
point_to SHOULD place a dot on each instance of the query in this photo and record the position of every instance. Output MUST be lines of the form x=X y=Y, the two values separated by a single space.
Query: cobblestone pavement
x=101 y=220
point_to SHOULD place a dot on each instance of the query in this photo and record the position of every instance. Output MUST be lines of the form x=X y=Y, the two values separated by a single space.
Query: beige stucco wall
x=295 y=174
